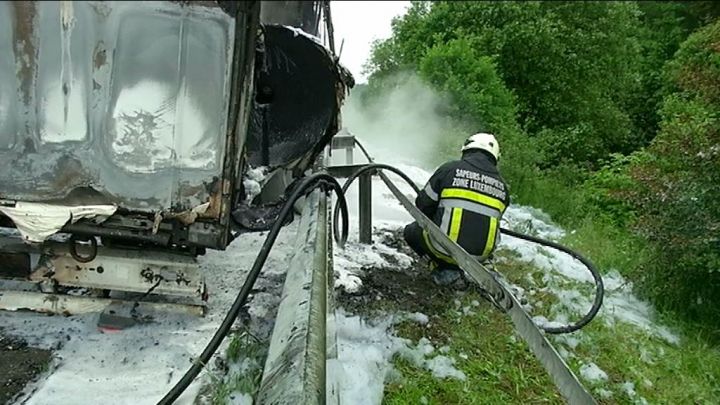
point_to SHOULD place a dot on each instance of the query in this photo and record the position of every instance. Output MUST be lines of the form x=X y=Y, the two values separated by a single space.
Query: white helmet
x=483 y=141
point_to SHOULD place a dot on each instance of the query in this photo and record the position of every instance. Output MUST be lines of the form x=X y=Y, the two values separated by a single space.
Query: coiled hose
x=308 y=184
x=599 y=286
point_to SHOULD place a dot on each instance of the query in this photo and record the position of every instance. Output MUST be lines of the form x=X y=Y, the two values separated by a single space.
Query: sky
x=359 y=23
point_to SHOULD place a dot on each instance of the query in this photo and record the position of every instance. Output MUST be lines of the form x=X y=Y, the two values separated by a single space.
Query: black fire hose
x=373 y=168
x=307 y=185
x=599 y=287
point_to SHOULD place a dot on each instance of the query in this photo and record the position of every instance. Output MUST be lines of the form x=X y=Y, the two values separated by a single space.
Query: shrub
x=678 y=197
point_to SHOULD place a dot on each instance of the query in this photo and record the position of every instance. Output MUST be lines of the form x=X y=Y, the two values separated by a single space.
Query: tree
x=482 y=102
x=471 y=79
x=572 y=65
x=678 y=198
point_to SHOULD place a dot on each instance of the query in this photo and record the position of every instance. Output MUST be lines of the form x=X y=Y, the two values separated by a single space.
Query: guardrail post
x=366 y=208
x=349 y=155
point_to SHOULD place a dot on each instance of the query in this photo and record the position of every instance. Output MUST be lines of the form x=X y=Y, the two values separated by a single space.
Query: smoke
x=403 y=121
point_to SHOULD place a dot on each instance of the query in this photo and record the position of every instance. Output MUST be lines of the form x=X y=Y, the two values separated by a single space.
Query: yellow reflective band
x=473 y=196
x=491 y=237
x=455 y=224
x=434 y=251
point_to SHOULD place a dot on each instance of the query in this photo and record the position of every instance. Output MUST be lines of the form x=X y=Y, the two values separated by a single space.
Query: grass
x=689 y=373
x=245 y=357
x=608 y=246
x=661 y=372
x=499 y=367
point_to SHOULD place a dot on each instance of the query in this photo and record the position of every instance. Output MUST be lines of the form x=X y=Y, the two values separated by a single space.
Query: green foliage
x=695 y=71
x=703 y=12
x=605 y=188
x=478 y=92
x=572 y=65
x=678 y=198
x=665 y=25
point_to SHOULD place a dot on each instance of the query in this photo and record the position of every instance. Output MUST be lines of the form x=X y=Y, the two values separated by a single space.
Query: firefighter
x=466 y=198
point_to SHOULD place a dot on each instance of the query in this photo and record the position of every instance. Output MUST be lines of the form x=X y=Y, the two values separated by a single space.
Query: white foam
x=239 y=398
x=604 y=393
x=350 y=261
x=418 y=317
x=629 y=388
x=592 y=373
x=571 y=281
x=444 y=367
x=363 y=362
x=252 y=182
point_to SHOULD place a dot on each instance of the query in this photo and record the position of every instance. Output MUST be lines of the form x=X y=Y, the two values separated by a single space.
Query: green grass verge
x=659 y=372
x=499 y=367
x=245 y=357
x=662 y=373
x=608 y=246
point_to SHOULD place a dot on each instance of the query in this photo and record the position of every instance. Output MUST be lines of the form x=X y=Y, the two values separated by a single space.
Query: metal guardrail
x=344 y=142
x=364 y=195
x=295 y=366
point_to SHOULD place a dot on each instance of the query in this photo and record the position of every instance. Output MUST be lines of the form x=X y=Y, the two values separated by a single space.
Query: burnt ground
x=396 y=288
x=20 y=365
x=406 y=288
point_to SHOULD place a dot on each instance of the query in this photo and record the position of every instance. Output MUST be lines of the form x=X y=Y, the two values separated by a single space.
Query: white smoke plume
x=404 y=124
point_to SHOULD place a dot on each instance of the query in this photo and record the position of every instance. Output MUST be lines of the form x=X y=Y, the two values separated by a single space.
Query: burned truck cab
x=136 y=135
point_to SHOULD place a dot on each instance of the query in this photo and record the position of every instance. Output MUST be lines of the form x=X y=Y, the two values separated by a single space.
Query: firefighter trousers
x=413 y=235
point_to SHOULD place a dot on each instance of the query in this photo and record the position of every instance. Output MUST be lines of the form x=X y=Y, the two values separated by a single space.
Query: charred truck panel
x=143 y=131
x=299 y=90
x=118 y=104
x=145 y=116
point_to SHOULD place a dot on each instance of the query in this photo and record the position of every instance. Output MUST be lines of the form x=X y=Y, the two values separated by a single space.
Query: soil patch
x=392 y=285
x=20 y=365
x=399 y=287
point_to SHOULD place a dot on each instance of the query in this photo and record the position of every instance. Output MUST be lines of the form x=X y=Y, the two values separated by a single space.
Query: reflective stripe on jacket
x=466 y=199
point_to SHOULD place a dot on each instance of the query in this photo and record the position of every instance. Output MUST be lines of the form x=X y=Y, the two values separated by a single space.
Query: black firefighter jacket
x=466 y=198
